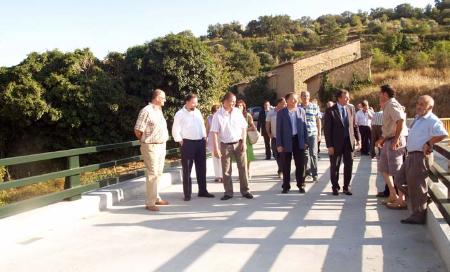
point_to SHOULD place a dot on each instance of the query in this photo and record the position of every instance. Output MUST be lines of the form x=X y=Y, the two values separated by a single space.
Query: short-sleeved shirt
x=152 y=124
x=377 y=119
x=272 y=118
x=312 y=114
x=228 y=125
x=423 y=129
x=392 y=112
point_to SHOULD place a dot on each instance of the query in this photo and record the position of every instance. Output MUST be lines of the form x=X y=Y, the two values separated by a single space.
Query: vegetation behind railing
x=72 y=183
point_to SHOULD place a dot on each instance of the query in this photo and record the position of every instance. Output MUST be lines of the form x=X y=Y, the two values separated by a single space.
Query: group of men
x=293 y=131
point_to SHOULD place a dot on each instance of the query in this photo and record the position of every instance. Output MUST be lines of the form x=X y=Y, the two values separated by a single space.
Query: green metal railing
x=72 y=185
x=441 y=176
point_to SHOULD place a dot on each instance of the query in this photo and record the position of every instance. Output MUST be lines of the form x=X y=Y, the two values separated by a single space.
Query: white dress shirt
x=228 y=125
x=364 y=118
x=188 y=125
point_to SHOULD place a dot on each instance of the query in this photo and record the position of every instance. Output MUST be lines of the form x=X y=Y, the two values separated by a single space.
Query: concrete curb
x=440 y=233
x=109 y=196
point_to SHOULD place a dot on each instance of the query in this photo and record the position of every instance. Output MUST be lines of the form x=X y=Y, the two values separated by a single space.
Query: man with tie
x=341 y=136
x=189 y=131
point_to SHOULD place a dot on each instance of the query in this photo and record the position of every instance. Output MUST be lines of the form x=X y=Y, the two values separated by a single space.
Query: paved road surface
x=273 y=232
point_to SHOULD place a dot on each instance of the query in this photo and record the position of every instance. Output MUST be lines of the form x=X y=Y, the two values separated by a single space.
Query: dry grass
x=410 y=85
x=29 y=191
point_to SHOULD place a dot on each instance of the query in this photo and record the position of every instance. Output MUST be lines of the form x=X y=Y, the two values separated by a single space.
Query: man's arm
x=319 y=128
x=138 y=134
x=398 y=129
x=176 y=129
x=268 y=130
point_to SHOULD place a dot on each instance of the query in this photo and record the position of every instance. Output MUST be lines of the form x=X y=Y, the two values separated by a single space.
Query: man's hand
x=331 y=151
x=280 y=149
x=217 y=153
x=379 y=143
x=427 y=150
x=242 y=146
x=319 y=137
x=357 y=144
x=395 y=143
x=181 y=143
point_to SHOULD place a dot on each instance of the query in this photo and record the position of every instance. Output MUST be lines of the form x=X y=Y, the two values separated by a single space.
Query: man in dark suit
x=262 y=128
x=291 y=141
x=341 y=136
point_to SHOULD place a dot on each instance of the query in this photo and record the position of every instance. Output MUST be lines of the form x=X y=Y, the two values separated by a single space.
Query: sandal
x=396 y=206
x=387 y=200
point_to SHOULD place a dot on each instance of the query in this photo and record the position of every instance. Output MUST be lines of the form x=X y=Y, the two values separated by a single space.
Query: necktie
x=344 y=117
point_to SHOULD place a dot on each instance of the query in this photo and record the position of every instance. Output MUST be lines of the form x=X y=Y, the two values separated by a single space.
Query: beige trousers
x=229 y=151
x=154 y=156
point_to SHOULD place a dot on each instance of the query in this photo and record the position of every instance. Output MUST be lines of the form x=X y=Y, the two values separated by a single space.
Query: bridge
x=109 y=230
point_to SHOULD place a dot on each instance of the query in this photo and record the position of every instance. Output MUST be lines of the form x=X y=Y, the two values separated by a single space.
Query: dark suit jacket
x=333 y=128
x=262 y=122
x=284 y=129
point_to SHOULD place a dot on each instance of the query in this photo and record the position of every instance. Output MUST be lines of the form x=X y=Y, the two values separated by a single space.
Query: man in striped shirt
x=313 y=126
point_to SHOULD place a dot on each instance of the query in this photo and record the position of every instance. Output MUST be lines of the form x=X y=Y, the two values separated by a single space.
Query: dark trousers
x=299 y=160
x=365 y=132
x=193 y=151
x=335 y=163
x=376 y=134
x=276 y=155
x=267 y=145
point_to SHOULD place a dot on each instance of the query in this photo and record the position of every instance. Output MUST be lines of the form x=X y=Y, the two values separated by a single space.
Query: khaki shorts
x=391 y=160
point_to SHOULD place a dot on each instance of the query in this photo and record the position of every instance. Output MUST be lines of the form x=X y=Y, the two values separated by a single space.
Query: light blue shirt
x=293 y=116
x=422 y=130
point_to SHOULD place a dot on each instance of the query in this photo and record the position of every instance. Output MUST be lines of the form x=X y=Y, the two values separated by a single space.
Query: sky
x=111 y=25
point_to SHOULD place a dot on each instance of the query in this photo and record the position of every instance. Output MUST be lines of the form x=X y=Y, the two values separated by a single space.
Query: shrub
x=416 y=60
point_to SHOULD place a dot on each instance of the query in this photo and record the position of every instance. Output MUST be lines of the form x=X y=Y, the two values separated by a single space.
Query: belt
x=412 y=152
x=202 y=139
x=232 y=143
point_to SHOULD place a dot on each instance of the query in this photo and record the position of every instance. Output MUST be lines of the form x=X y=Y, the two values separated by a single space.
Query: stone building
x=342 y=76
x=293 y=76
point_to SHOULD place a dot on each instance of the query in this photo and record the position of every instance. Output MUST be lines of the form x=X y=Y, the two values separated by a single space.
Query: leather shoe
x=347 y=192
x=152 y=208
x=335 y=192
x=187 y=198
x=162 y=202
x=382 y=194
x=301 y=190
x=412 y=221
x=225 y=197
x=285 y=191
x=248 y=196
x=205 y=195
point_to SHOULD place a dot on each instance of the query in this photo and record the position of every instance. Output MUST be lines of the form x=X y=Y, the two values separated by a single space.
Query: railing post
x=72 y=181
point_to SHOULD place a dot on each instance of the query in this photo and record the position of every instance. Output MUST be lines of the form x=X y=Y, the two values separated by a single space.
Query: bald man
x=426 y=130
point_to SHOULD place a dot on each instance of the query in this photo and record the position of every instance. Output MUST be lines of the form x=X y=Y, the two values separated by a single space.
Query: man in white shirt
x=426 y=130
x=364 y=120
x=189 y=131
x=229 y=129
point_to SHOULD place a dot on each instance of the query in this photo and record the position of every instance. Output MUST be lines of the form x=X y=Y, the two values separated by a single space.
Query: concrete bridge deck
x=272 y=232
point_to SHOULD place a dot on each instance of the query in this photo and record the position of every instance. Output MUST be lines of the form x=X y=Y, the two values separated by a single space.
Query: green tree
x=332 y=33
x=440 y=54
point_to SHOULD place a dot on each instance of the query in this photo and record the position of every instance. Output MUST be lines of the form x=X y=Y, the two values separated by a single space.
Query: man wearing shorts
x=392 y=144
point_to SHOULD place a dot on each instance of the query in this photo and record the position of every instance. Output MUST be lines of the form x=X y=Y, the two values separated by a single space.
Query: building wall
x=308 y=67
x=342 y=76
x=283 y=79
